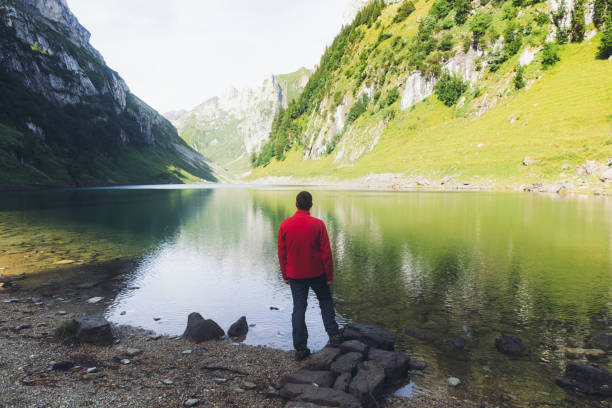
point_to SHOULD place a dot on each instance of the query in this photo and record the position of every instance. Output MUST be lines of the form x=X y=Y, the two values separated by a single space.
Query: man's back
x=303 y=247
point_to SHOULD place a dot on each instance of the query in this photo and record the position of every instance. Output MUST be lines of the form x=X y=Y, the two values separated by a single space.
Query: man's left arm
x=326 y=254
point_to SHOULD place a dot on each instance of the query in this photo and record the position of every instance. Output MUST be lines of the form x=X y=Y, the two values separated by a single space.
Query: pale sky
x=177 y=53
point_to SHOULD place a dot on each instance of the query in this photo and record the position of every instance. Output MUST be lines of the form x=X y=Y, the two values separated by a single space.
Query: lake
x=447 y=265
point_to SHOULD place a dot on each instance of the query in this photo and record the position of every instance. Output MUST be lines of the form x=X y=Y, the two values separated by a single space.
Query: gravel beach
x=140 y=370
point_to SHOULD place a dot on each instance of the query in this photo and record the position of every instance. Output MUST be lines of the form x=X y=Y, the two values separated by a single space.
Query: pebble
x=23 y=327
x=125 y=361
x=168 y=381
x=62 y=312
x=191 y=402
x=92 y=370
x=157 y=319
x=273 y=308
x=94 y=300
x=220 y=380
x=155 y=337
x=248 y=385
x=238 y=390
x=453 y=381
x=186 y=352
x=133 y=352
x=122 y=313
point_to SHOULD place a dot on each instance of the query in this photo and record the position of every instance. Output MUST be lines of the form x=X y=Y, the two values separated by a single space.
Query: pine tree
x=605 y=48
x=519 y=81
x=599 y=12
x=577 y=26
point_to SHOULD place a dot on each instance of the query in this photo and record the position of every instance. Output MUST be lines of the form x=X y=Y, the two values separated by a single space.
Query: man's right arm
x=282 y=252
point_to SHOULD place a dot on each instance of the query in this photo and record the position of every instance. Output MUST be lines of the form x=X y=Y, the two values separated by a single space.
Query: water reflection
x=447 y=265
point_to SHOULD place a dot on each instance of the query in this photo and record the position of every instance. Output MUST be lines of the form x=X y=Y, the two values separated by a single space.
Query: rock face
x=370 y=335
x=94 y=329
x=508 y=344
x=72 y=105
x=230 y=127
x=199 y=330
x=239 y=328
x=587 y=379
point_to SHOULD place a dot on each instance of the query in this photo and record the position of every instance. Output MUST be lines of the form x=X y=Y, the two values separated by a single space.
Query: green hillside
x=557 y=109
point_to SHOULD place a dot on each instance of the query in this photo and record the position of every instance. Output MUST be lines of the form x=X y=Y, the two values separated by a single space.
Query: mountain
x=66 y=118
x=455 y=92
x=231 y=127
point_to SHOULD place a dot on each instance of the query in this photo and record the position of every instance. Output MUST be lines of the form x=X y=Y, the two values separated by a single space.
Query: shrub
x=519 y=81
x=509 y=12
x=448 y=23
x=382 y=37
x=392 y=96
x=331 y=145
x=541 y=18
x=357 y=109
x=440 y=9
x=550 y=55
x=599 y=12
x=446 y=42
x=479 y=24
x=405 y=10
x=462 y=11
x=605 y=48
x=562 y=35
x=577 y=26
x=449 y=88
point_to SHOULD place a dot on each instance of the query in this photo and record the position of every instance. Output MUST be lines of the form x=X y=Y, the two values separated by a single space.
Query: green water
x=447 y=265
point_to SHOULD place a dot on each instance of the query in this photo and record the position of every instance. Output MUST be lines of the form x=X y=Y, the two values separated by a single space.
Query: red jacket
x=303 y=248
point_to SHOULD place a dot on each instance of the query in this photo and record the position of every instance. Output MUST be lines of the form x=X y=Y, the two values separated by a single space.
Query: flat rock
x=603 y=341
x=94 y=329
x=394 y=364
x=329 y=397
x=587 y=378
x=291 y=390
x=304 y=376
x=342 y=382
x=133 y=351
x=371 y=335
x=323 y=359
x=346 y=363
x=368 y=384
x=239 y=328
x=509 y=344
x=453 y=381
x=192 y=402
x=199 y=330
x=354 y=346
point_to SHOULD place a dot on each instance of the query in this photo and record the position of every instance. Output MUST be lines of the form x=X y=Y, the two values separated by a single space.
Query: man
x=306 y=262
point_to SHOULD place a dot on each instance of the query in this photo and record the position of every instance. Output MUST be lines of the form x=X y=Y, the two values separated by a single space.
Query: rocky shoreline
x=140 y=369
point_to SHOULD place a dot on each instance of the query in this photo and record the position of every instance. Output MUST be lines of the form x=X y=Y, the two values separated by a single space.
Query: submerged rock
x=199 y=330
x=603 y=340
x=415 y=334
x=94 y=329
x=509 y=344
x=587 y=378
x=371 y=335
x=239 y=328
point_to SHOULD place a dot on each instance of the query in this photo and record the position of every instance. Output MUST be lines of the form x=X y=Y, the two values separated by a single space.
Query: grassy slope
x=564 y=117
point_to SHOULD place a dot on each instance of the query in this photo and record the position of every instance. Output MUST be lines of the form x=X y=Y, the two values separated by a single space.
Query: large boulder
x=94 y=329
x=509 y=344
x=239 y=329
x=354 y=346
x=342 y=382
x=304 y=376
x=603 y=341
x=323 y=359
x=199 y=329
x=371 y=335
x=395 y=365
x=587 y=378
x=368 y=384
x=347 y=363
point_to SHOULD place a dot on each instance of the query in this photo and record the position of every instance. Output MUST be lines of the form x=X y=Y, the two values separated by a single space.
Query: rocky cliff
x=230 y=128
x=67 y=118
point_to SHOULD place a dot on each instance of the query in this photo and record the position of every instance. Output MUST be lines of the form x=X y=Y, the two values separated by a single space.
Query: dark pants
x=299 y=290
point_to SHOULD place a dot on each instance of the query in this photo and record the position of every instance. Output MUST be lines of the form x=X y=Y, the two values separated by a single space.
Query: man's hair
x=303 y=201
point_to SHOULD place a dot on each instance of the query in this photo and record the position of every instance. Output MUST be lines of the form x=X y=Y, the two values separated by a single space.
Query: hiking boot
x=334 y=340
x=301 y=355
